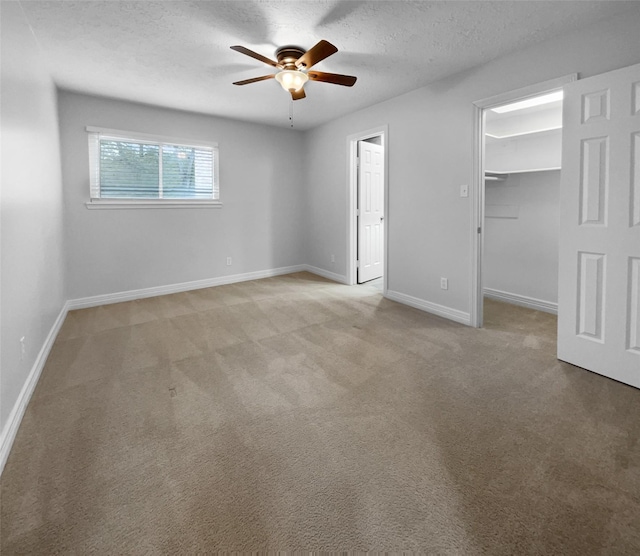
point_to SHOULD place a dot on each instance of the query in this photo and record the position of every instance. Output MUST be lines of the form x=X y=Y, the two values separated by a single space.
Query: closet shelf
x=491 y=175
x=548 y=130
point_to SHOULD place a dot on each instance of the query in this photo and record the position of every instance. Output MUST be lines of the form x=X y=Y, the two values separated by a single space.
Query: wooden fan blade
x=316 y=54
x=297 y=95
x=335 y=78
x=255 y=79
x=253 y=54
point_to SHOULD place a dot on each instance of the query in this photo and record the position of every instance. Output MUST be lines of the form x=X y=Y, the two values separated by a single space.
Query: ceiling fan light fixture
x=294 y=65
x=292 y=80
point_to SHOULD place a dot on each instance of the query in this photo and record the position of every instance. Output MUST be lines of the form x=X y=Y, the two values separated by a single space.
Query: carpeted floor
x=294 y=413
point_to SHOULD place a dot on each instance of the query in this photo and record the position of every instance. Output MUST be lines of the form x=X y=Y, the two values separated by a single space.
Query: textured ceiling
x=176 y=53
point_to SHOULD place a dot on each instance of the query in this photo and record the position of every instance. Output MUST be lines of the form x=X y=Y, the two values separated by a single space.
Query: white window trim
x=110 y=204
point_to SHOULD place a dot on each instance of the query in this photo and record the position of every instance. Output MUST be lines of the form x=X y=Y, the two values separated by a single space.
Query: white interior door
x=599 y=267
x=370 y=211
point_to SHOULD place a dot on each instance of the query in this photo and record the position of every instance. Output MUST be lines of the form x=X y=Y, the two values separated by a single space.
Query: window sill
x=111 y=204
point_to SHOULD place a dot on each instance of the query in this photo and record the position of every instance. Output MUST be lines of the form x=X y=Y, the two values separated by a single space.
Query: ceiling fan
x=294 y=65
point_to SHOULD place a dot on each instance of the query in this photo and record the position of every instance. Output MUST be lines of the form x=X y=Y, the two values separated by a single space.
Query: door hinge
x=479 y=230
x=358 y=161
x=357 y=264
x=357 y=212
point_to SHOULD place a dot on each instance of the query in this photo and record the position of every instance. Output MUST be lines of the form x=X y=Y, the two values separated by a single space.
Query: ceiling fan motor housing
x=288 y=55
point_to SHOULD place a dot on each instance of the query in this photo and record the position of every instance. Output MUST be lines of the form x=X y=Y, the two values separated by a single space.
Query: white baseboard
x=433 y=308
x=131 y=295
x=522 y=300
x=340 y=278
x=8 y=434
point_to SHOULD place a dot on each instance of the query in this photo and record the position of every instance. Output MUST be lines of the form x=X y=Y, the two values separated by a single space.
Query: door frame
x=478 y=182
x=381 y=131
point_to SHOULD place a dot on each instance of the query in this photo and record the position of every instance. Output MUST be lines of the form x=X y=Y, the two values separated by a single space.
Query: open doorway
x=517 y=202
x=523 y=156
x=367 y=249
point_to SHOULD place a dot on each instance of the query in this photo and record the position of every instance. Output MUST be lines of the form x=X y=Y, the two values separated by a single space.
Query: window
x=134 y=170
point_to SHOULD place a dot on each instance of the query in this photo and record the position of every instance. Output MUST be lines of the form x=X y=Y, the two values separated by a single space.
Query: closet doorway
x=517 y=201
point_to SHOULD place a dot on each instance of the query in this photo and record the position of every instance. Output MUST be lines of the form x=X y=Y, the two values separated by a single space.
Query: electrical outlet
x=23 y=349
x=333 y=258
x=228 y=261
x=444 y=283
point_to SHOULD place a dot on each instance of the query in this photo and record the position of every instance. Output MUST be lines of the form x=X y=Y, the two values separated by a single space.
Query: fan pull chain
x=291 y=113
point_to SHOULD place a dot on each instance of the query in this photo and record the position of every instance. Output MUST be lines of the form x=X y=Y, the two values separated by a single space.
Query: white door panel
x=370 y=211
x=599 y=270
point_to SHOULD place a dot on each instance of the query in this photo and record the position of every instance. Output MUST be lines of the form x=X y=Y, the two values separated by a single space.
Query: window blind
x=130 y=167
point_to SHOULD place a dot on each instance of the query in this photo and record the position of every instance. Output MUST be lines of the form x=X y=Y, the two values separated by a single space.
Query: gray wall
x=261 y=188
x=521 y=254
x=32 y=256
x=430 y=156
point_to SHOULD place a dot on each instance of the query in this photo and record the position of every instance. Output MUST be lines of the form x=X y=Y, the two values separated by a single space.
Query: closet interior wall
x=523 y=151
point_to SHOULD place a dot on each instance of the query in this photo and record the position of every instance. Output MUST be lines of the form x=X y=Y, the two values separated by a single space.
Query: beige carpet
x=294 y=413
